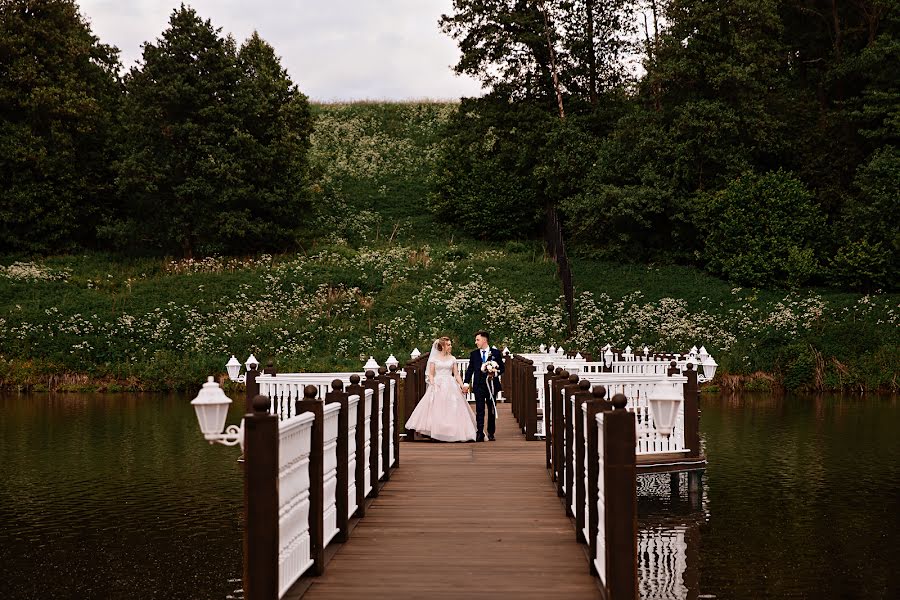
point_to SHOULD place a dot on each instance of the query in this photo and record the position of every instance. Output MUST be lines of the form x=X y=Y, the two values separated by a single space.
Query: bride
x=443 y=413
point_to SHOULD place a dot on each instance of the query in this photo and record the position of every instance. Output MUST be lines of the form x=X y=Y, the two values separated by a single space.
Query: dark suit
x=478 y=380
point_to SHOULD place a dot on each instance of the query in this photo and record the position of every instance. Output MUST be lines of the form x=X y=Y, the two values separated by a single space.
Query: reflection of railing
x=662 y=564
x=309 y=469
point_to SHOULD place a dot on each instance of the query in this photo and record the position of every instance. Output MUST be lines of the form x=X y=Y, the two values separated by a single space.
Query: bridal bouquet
x=490 y=367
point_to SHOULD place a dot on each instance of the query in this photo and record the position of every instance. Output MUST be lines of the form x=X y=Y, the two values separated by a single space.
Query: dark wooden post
x=374 y=451
x=592 y=457
x=337 y=395
x=413 y=388
x=386 y=423
x=316 y=477
x=583 y=395
x=548 y=439
x=251 y=388
x=692 y=412
x=394 y=376
x=529 y=393
x=558 y=428
x=355 y=389
x=673 y=369
x=570 y=389
x=260 y=502
x=620 y=490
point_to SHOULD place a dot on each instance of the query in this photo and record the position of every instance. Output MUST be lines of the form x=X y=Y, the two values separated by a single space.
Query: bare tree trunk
x=559 y=98
x=553 y=231
x=592 y=55
x=652 y=53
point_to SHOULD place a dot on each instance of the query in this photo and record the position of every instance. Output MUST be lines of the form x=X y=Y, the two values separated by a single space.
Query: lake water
x=117 y=496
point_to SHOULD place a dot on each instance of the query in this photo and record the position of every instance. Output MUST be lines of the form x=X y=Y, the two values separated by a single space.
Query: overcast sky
x=332 y=49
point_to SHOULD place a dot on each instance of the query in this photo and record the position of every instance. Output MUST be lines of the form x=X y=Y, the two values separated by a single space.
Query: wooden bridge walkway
x=467 y=520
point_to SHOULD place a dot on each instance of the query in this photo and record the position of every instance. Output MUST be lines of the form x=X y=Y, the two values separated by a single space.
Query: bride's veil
x=432 y=358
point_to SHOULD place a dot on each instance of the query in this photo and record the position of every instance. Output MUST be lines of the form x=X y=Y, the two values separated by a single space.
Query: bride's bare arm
x=456 y=375
x=431 y=373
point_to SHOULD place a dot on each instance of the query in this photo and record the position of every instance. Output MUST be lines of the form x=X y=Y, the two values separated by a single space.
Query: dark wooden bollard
x=568 y=452
x=260 y=502
x=583 y=396
x=548 y=439
x=561 y=379
x=619 y=472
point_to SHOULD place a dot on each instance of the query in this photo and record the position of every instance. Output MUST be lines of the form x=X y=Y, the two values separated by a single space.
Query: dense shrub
x=763 y=230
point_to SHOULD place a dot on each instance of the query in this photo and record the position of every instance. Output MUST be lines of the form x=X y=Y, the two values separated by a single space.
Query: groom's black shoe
x=479 y=438
x=491 y=438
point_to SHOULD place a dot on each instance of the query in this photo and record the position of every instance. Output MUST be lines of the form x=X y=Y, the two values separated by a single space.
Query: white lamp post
x=371 y=364
x=628 y=355
x=542 y=349
x=608 y=355
x=709 y=365
x=211 y=406
x=392 y=360
x=233 y=368
x=665 y=402
x=552 y=349
x=646 y=351
x=560 y=351
x=415 y=354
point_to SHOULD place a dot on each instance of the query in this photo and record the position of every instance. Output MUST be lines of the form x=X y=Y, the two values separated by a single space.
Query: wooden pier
x=465 y=520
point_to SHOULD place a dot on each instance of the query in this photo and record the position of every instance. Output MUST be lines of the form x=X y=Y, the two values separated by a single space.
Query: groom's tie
x=484 y=356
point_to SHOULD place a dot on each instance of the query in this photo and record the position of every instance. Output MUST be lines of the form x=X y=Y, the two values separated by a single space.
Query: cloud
x=332 y=49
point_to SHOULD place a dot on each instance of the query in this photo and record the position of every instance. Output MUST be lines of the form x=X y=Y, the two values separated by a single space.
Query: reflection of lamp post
x=211 y=406
x=665 y=402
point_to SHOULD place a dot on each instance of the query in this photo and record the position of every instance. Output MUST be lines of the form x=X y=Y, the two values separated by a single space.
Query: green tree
x=178 y=164
x=59 y=93
x=484 y=180
x=763 y=230
x=270 y=197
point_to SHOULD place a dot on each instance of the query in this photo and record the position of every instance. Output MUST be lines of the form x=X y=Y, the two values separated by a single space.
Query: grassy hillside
x=378 y=275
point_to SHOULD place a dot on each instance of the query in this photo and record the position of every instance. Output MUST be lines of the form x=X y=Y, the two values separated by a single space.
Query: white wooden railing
x=304 y=501
x=637 y=389
x=294 y=552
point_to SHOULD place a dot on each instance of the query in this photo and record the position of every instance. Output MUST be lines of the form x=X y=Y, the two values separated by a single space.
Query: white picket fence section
x=329 y=471
x=637 y=389
x=285 y=389
x=294 y=552
x=600 y=557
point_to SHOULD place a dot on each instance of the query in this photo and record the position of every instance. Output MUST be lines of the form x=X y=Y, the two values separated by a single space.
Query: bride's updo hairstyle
x=442 y=343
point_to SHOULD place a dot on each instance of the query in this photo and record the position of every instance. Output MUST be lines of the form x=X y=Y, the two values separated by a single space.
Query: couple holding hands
x=443 y=413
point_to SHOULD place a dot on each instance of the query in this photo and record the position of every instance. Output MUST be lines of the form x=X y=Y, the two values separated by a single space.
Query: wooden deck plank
x=463 y=520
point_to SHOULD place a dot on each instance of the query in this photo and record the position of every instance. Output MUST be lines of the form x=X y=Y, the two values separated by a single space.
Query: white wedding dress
x=443 y=413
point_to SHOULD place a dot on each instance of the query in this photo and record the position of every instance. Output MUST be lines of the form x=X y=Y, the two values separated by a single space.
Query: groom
x=481 y=355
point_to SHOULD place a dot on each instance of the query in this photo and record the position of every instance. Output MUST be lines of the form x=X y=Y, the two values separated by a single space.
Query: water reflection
x=115 y=496
x=800 y=500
